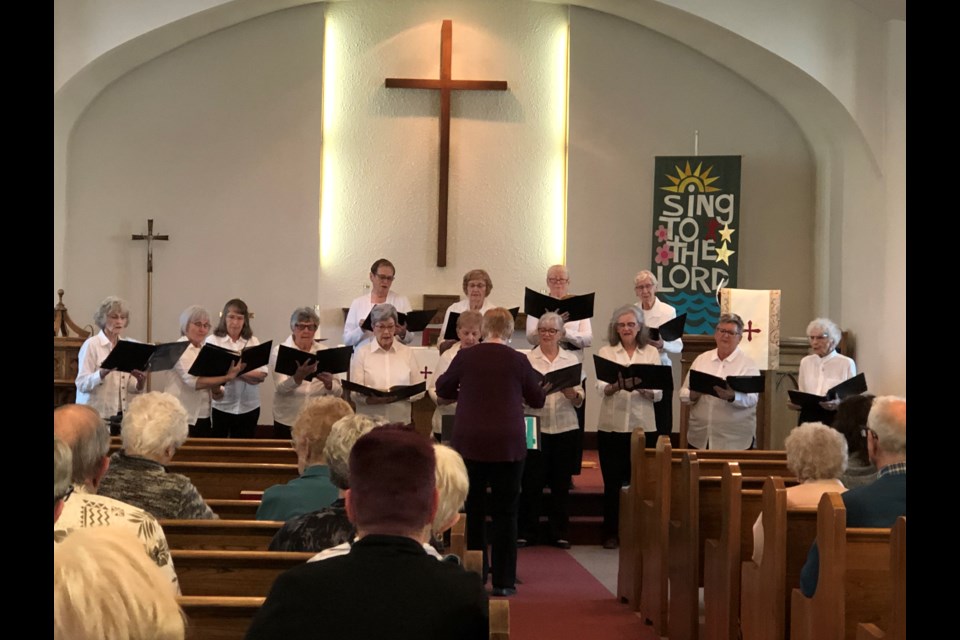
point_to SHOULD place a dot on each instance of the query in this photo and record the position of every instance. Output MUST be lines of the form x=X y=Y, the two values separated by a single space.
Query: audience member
x=880 y=503
x=313 y=489
x=387 y=586
x=104 y=587
x=80 y=428
x=153 y=429
x=62 y=471
x=851 y=421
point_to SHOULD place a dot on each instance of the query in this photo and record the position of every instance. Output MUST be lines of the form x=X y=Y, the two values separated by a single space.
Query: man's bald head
x=88 y=437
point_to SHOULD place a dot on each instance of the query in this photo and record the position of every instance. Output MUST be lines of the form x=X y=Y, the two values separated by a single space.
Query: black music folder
x=451 y=332
x=213 y=361
x=562 y=378
x=652 y=376
x=398 y=390
x=849 y=387
x=536 y=304
x=704 y=383
x=669 y=330
x=414 y=320
x=336 y=360
x=129 y=355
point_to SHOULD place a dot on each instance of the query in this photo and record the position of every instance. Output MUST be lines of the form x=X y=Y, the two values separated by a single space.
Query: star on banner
x=726 y=232
x=723 y=254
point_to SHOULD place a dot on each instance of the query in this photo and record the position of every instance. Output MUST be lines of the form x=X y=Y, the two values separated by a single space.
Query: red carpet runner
x=560 y=600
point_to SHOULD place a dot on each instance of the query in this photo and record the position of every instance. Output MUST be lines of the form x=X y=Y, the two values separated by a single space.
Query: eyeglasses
x=63 y=496
x=384 y=278
x=643 y=287
x=300 y=326
x=385 y=327
x=558 y=280
x=821 y=337
x=865 y=431
x=548 y=331
x=626 y=325
x=728 y=332
x=201 y=325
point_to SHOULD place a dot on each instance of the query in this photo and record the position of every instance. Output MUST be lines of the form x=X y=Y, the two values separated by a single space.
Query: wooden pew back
x=232 y=573
x=233 y=509
x=218 y=617
x=228 y=479
x=220 y=535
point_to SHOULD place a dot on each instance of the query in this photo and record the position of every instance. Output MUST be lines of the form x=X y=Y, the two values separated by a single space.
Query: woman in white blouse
x=106 y=390
x=477 y=285
x=236 y=414
x=623 y=409
x=559 y=451
x=822 y=370
x=468 y=332
x=195 y=393
x=655 y=313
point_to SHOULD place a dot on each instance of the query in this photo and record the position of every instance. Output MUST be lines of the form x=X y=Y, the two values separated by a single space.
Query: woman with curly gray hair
x=818 y=455
x=822 y=370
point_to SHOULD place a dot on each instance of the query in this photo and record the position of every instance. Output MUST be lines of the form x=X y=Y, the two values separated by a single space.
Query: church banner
x=696 y=221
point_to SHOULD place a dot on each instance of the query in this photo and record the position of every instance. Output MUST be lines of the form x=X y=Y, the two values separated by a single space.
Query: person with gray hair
x=196 y=393
x=383 y=363
x=88 y=437
x=292 y=392
x=104 y=587
x=382 y=275
x=153 y=430
x=106 y=390
x=729 y=420
x=881 y=502
x=62 y=475
x=468 y=332
x=655 y=313
x=817 y=455
x=329 y=526
x=822 y=370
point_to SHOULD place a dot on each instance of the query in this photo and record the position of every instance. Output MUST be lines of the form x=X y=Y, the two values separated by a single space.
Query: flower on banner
x=661 y=233
x=664 y=253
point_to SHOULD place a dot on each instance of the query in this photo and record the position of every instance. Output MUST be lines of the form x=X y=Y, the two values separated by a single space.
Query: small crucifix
x=149 y=238
x=445 y=85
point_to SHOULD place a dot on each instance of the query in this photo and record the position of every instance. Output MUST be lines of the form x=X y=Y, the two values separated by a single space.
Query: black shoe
x=504 y=591
x=560 y=543
x=521 y=543
x=611 y=543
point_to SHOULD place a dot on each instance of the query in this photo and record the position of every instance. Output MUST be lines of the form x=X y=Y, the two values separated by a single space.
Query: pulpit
x=66 y=349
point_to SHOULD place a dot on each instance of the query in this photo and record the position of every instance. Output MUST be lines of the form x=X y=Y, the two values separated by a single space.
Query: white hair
x=827 y=326
x=816 y=452
x=343 y=435
x=452 y=485
x=62 y=467
x=888 y=419
x=153 y=423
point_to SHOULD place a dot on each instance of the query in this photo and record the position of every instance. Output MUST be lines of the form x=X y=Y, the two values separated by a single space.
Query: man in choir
x=387 y=586
x=880 y=503
x=88 y=437
x=730 y=420
x=382 y=275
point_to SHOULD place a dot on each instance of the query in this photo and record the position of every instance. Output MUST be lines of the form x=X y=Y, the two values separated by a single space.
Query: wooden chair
x=220 y=535
x=218 y=617
x=232 y=573
x=765 y=587
x=898 y=570
x=228 y=479
x=855 y=583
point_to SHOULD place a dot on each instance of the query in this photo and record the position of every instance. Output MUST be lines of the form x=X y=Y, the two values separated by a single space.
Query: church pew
x=473 y=561
x=722 y=556
x=654 y=514
x=273 y=455
x=696 y=514
x=234 y=509
x=499 y=620
x=224 y=535
x=228 y=479
x=458 y=538
x=897 y=629
x=765 y=587
x=218 y=617
x=855 y=583
x=232 y=573
x=115 y=442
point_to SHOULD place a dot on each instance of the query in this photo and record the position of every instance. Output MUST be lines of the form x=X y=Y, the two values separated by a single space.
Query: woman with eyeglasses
x=477 y=285
x=822 y=370
x=292 y=392
x=236 y=414
x=623 y=409
x=196 y=393
x=106 y=390
x=655 y=313
x=382 y=275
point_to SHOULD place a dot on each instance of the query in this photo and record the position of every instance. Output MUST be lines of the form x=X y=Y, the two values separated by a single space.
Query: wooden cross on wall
x=445 y=85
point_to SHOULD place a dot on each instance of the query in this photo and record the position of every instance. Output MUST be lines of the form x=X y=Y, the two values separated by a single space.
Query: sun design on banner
x=691 y=181
x=696 y=222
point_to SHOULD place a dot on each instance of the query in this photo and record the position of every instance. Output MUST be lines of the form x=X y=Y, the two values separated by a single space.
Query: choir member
x=477 y=285
x=468 y=332
x=577 y=334
x=655 y=313
x=382 y=275
x=822 y=370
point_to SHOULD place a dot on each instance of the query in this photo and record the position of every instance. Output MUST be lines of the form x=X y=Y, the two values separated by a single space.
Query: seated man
x=62 y=472
x=313 y=489
x=80 y=427
x=880 y=503
x=387 y=586
x=730 y=420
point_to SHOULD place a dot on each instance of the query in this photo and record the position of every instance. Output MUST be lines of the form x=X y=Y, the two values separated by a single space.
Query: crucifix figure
x=149 y=238
x=445 y=85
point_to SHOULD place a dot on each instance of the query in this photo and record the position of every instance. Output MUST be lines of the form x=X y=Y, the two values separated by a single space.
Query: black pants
x=234 y=425
x=551 y=466
x=581 y=429
x=281 y=431
x=204 y=429
x=614 y=450
x=503 y=478
x=663 y=414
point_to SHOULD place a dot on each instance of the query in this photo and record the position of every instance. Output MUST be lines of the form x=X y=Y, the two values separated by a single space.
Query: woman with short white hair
x=153 y=429
x=822 y=370
x=656 y=312
x=817 y=454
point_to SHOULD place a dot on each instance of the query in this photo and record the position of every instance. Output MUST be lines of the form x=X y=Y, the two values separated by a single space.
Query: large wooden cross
x=149 y=237
x=445 y=85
